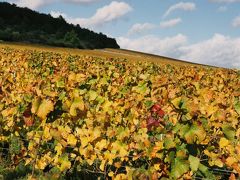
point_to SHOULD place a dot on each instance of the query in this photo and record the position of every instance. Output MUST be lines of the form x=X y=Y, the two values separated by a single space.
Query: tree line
x=25 y=25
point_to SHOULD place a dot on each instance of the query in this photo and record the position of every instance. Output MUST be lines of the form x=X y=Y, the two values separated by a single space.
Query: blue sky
x=202 y=31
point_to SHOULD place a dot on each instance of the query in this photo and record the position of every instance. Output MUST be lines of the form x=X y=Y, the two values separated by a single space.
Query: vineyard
x=64 y=116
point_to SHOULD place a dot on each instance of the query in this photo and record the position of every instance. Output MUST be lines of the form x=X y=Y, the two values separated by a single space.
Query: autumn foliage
x=118 y=119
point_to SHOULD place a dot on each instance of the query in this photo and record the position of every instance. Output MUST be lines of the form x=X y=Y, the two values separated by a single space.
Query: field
x=115 y=114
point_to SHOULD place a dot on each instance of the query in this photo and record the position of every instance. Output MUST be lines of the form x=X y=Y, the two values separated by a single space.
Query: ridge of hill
x=107 y=53
x=25 y=25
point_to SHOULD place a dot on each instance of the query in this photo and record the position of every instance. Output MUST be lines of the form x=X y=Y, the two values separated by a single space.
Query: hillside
x=25 y=25
x=105 y=53
x=67 y=113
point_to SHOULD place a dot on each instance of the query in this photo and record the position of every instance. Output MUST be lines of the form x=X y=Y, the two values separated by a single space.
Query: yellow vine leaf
x=71 y=140
x=84 y=141
x=65 y=164
x=111 y=174
x=101 y=144
x=223 y=142
x=45 y=107
x=92 y=95
x=121 y=177
x=9 y=111
x=46 y=133
x=102 y=165
x=41 y=164
x=176 y=102
x=58 y=148
x=35 y=105
x=157 y=167
x=77 y=104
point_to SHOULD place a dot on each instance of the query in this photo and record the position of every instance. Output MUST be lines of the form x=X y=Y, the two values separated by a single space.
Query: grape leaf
x=65 y=164
x=194 y=163
x=45 y=108
x=196 y=133
x=237 y=105
x=77 y=104
x=179 y=167
x=35 y=105
x=92 y=95
x=223 y=142
x=228 y=131
x=206 y=172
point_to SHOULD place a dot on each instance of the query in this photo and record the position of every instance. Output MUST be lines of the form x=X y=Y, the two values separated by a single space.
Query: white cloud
x=35 y=4
x=32 y=4
x=108 y=13
x=140 y=28
x=224 y=1
x=154 y=44
x=222 y=9
x=185 y=6
x=81 y=1
x=170 y=23
x=114 y=11
x=56 y=14
x=236 y=22
x=219 y=50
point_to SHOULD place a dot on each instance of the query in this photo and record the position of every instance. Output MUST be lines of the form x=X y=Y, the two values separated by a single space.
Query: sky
x=201 y=31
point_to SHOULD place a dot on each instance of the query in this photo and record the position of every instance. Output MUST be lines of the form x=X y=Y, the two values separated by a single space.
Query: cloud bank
x=36 y=4
x=224 y=1
x=219 y=50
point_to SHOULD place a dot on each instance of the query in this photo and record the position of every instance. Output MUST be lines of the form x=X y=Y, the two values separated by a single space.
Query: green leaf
x=169 y=143
x=194 y=163
x=182 y=129
x=170 y=158
x=179 y=167
x=100 y=99
x=228 y=131
x=60 y=84
x=180 y=103
x=15 y=145
x=92 y=95
x=237 y=105
x=176 y=102
x=206 y=172
x=141 y=88
x=148 y=104
x=35 y=105
x=195 y=134
x=62 y=95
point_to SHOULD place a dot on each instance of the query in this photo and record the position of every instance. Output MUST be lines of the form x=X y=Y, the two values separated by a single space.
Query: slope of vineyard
x=76 y=114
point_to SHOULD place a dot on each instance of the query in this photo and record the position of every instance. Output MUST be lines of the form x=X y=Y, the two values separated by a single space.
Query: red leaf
x=29 y=121
x=161 y=113
x=155 y=108
x=151 y=122
x=27 y=112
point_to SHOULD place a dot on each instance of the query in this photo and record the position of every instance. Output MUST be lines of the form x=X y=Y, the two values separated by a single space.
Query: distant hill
x=25 y=25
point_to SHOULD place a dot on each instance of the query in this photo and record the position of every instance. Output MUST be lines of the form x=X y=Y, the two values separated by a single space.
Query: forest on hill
x=25 y=25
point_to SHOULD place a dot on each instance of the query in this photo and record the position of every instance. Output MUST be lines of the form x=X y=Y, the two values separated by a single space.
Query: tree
x=71 y=39
x=24 y=25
